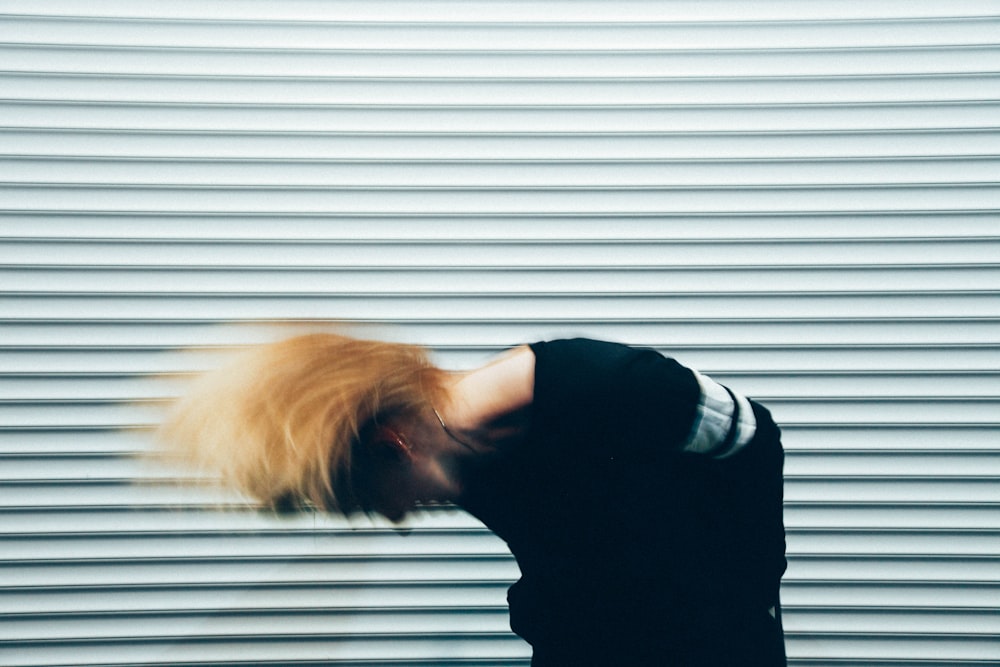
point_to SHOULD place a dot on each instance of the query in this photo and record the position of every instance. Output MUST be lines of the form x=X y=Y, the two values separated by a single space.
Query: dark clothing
x=631 y=551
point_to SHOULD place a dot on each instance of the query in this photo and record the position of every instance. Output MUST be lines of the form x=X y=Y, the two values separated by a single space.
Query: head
x=312 y=420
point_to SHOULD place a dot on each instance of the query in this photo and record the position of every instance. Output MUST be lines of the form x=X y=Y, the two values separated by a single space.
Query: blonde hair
x=279 y=422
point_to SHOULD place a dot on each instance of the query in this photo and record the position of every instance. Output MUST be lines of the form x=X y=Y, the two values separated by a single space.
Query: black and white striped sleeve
x=724 y=422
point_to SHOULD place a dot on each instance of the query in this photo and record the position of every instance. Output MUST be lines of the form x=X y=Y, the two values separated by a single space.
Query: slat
x=350 y=32
x=247 y=625
x=47 y=280
x=549 y=231
x=179 y=583
x=275 y=544
x=626 y=62
x=487 y=10
x=264 y=648
x=626 y=174
x=195 y=596
x=820 y=199
x=483 y=254
x=477 y=307
x=450 y=130
x=891 y=489
x=513 y=91
x=788 y=344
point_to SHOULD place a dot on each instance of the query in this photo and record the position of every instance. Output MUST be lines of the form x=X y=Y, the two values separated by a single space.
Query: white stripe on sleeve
x=714 y=419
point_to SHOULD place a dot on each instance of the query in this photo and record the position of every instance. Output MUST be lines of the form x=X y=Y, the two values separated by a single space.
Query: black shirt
x=631 y=551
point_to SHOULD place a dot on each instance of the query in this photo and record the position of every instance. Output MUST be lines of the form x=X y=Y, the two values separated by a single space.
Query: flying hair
x=279 y=423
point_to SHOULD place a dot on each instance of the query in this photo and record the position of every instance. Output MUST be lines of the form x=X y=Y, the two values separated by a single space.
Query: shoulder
x=605 y=375
x=565 y=359
x=576 y=351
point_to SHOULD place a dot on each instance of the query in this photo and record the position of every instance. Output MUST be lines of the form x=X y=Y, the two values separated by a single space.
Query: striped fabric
x=724 y=422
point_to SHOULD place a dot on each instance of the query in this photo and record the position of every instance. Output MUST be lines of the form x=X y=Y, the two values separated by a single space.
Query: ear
x=387 y=444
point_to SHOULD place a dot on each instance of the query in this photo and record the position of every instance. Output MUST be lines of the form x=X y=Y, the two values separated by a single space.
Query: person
x=641 y=499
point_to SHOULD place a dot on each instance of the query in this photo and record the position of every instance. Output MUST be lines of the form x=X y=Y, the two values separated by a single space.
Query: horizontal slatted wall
x=799 y=198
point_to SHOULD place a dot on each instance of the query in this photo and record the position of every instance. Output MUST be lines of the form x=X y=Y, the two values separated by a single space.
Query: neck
x=489 y=407
x=450 y=433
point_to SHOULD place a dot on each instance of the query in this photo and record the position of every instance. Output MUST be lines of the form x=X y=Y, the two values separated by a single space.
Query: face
x=390 y=476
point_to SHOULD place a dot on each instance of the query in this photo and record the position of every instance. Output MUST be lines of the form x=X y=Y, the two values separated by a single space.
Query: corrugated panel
x=799 y=198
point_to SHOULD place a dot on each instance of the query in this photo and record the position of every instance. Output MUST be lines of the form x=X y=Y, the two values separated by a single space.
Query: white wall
x=798 y=198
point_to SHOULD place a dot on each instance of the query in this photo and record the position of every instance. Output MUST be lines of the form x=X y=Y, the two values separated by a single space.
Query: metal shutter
x=798 y=198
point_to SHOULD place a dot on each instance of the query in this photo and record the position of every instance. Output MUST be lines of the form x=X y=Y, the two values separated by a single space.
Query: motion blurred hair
x=279 y=423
